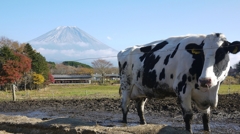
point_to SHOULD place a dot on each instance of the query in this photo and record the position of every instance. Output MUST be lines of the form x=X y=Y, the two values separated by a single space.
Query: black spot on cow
x=132 y=66
x=182 y=85
x=149 y=79
x=196 y=86
x=142 y=57
x=166 y=59
x=147 y=52
x=189 y=79
x=159 y=46
x=138 y=75
x=221 y=59
x=197 y=54
x=150 y=60
x=162 y=74
x=175 y=50
x=122 y=67
x=171 y=76
x=145 y=49
x=147 y=73
x=218 y=34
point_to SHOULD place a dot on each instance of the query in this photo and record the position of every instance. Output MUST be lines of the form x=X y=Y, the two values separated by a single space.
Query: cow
x=190 y=67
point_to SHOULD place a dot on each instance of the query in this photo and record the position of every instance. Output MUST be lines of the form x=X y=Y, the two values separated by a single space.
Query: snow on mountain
x=71 y=43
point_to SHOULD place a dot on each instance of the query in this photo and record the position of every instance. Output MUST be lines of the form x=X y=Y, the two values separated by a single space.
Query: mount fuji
x=69 y=43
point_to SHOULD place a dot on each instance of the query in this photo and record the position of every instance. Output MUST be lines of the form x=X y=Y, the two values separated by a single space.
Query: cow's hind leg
x=140 y=103
x=125 y=104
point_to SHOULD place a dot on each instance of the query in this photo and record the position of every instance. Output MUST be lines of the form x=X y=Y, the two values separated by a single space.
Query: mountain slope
x=67 y=43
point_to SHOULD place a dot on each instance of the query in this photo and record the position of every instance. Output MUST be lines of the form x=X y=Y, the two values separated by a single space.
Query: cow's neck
x=207 y=98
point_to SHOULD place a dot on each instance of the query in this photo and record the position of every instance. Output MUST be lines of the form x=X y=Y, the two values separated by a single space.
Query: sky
x=121 y=23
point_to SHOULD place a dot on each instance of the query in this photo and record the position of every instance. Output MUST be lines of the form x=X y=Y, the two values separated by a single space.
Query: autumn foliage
x=50 y=78
x=12 y=70
x=38 y=78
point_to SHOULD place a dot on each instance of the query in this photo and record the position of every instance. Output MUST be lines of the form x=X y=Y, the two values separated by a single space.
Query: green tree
x=76 y=64
x=39 y=63
x=237 y=67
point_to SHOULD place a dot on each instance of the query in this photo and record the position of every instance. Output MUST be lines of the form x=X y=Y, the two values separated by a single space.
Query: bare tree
x=101 y=66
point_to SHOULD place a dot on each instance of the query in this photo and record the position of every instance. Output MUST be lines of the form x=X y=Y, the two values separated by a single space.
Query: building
x=98 y=77
x=72 y=79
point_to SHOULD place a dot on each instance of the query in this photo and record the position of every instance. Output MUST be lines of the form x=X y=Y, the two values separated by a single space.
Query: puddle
x=110 y=119
x=31 y=114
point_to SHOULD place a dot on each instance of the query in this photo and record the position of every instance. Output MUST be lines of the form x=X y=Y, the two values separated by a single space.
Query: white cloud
x=69 y=52
x=44 y=51
x=109 y=38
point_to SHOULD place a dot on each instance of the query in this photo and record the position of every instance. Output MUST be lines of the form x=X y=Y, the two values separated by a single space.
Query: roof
x=108 y=75
x=59 y=76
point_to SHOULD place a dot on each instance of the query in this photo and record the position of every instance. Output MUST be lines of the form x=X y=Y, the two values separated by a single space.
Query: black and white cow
x=192 y=67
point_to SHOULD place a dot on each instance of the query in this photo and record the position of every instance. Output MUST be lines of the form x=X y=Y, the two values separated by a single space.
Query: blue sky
x=121 y=24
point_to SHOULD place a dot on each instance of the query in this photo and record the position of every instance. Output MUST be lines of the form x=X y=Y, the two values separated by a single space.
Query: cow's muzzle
x=205 y=82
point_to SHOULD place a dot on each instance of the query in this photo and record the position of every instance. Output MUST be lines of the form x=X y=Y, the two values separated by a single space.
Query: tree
x=63 y=69
x=50 y=79
x=237 y=67
x=38 y=79
x=85 y=71
x=13 y=65
x=39 y=63
x=101 y=66
x=13 y=45
x=76 y=64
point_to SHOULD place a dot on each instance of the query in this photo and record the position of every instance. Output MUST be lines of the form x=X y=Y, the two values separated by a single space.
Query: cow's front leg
x=140 y=103
x=187 y=112
x=205 y=119
x=125 y=104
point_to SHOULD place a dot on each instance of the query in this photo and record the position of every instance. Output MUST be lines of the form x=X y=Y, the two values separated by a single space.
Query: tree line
x=26 y=68
x=22 y=66
x=233 y=75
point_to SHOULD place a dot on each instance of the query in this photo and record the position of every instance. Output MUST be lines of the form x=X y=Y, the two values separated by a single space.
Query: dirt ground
x=104 y=116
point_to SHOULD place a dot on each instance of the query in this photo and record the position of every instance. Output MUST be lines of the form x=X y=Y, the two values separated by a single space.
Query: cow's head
x=211 y=59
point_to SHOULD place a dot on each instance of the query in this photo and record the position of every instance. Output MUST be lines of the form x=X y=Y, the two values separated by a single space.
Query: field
x=84 y=91
x=96 y=109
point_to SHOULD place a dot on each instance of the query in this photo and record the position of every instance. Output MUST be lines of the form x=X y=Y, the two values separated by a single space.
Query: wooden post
x=13 y=92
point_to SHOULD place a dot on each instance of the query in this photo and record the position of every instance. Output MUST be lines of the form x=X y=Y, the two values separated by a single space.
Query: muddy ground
x=104 y=116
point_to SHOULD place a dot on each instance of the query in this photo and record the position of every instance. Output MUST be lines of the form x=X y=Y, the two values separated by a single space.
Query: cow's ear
x=193 y=48
x=234 y=47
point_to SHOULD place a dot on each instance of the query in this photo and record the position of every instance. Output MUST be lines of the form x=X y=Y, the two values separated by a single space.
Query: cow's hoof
x=124 y=121
x=143 y=122
x=207 y=131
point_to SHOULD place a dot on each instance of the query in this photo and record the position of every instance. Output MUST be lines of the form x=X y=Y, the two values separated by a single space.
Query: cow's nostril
x=205 y=82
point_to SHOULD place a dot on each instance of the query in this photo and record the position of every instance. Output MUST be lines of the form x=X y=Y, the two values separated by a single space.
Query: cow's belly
x=161 y=91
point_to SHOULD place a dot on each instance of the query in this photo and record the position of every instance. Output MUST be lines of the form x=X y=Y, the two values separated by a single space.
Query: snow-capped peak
x=63 y=35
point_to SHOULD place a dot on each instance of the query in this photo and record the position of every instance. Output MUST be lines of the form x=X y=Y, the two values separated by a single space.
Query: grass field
x=84 y=91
